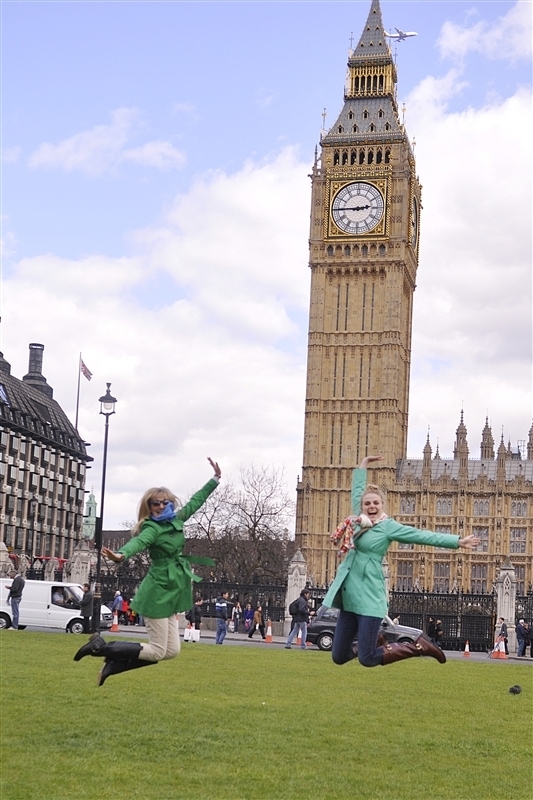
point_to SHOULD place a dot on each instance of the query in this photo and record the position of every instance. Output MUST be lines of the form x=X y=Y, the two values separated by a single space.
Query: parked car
x=321 y=629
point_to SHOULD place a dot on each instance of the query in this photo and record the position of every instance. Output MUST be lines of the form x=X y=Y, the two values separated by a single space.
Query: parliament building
x=363 y=255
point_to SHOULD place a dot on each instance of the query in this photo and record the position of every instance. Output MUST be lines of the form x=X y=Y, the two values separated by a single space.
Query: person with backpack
x=299 y=610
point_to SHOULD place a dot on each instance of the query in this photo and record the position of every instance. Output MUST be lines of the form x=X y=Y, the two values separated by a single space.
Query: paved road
x=241 y=639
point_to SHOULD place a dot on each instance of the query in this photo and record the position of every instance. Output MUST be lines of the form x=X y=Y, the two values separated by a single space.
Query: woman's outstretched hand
x=469 y=542
x=368 y=460
x=216 y=468
x=116 y=557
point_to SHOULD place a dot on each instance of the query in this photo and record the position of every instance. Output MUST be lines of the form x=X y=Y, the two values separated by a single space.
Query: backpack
x=293 y=608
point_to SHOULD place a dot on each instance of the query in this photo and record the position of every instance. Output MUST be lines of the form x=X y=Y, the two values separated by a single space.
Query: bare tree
x=245 y=529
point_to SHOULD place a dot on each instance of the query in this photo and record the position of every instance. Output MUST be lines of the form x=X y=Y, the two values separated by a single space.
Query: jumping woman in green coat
x=167 y=588
x=358 y=589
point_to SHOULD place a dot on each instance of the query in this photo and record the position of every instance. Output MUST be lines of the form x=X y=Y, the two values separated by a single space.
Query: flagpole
x=78 y=393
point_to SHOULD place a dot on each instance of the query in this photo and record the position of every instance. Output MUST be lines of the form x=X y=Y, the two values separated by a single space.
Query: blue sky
x=155 y=212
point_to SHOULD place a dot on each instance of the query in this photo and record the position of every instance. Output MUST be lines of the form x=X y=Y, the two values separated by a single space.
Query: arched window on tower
x=356 y=84
x=380 y=113
x=387 y=126
x=354 y=129
x=370 y=157
x=350 y=115
x=344 y=157
x=336 y=158
x=375 y=83
x=329 y=250
x=379 y=157
x=347 y=250
x=381 y=83
x=387 y=156
x=361 y=156
x=382 y=250
x=340 y=129
x=364 y=250
x=365 y=114
x=353 y=156
x=372 y=128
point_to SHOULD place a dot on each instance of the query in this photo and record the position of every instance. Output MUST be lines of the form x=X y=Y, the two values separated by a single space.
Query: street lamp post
x=107 y=408
x=33 y=510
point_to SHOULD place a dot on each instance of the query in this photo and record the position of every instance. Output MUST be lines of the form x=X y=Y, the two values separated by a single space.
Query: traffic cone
x=268 y=637
x=499 y=649
x=114 y=626
x=466 y=653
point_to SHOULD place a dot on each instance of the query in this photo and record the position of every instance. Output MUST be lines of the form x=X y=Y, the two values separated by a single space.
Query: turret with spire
x=487 y=442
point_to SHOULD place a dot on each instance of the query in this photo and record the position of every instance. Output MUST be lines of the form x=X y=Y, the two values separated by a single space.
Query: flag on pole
x=85 y=370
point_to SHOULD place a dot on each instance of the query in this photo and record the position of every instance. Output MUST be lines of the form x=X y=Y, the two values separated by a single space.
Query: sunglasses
x=158 y=503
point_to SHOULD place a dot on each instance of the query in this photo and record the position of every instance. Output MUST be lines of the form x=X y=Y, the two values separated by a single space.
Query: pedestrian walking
x=15 y=589
x=358 y=589
x=167 y=588
x=196 y=613
x=301 y=618
x=258 y=623
x=86 y=607
x=236 y=615
x=503 y=634
x=221 y=611
x=248 y=618
x=522 y=637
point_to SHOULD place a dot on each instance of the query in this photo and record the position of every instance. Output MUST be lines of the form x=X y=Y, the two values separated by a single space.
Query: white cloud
x=161 y=155
x=507 y=39
x=472 y=313
x=102 y=148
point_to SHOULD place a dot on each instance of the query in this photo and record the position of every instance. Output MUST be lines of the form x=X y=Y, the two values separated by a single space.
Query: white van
x=49 y=604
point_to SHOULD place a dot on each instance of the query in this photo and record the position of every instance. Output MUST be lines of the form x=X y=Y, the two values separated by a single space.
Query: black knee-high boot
x=121 y=657
x=91 y=648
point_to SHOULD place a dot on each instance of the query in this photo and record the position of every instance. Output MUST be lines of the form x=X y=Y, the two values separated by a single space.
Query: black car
x=321 y=629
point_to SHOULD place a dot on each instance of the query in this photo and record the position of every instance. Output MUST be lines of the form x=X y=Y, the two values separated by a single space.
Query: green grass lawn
x=246 y=723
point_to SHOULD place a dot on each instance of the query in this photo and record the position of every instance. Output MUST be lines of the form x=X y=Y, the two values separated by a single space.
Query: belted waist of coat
x=370 y=556
x=185 y=562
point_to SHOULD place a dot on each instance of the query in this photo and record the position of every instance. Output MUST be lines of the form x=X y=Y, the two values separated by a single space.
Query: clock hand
x=356 y=208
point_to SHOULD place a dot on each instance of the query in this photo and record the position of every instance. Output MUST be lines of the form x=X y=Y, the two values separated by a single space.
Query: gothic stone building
x=363 y=256
x=43 y=462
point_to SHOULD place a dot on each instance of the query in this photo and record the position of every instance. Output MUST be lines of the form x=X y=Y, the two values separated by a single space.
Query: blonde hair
x=144 y=511
x=371 y=488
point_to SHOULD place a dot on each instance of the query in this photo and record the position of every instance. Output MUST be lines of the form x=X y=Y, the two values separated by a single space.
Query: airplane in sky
x=400 y=36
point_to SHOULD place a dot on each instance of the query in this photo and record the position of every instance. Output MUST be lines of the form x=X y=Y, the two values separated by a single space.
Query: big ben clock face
x=358 y=208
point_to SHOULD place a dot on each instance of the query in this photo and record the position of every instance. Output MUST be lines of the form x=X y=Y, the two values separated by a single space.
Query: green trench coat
x=167 y=588
x=359 y=585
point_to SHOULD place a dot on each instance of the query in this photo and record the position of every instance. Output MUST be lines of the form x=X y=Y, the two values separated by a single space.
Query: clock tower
x=365 y=206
